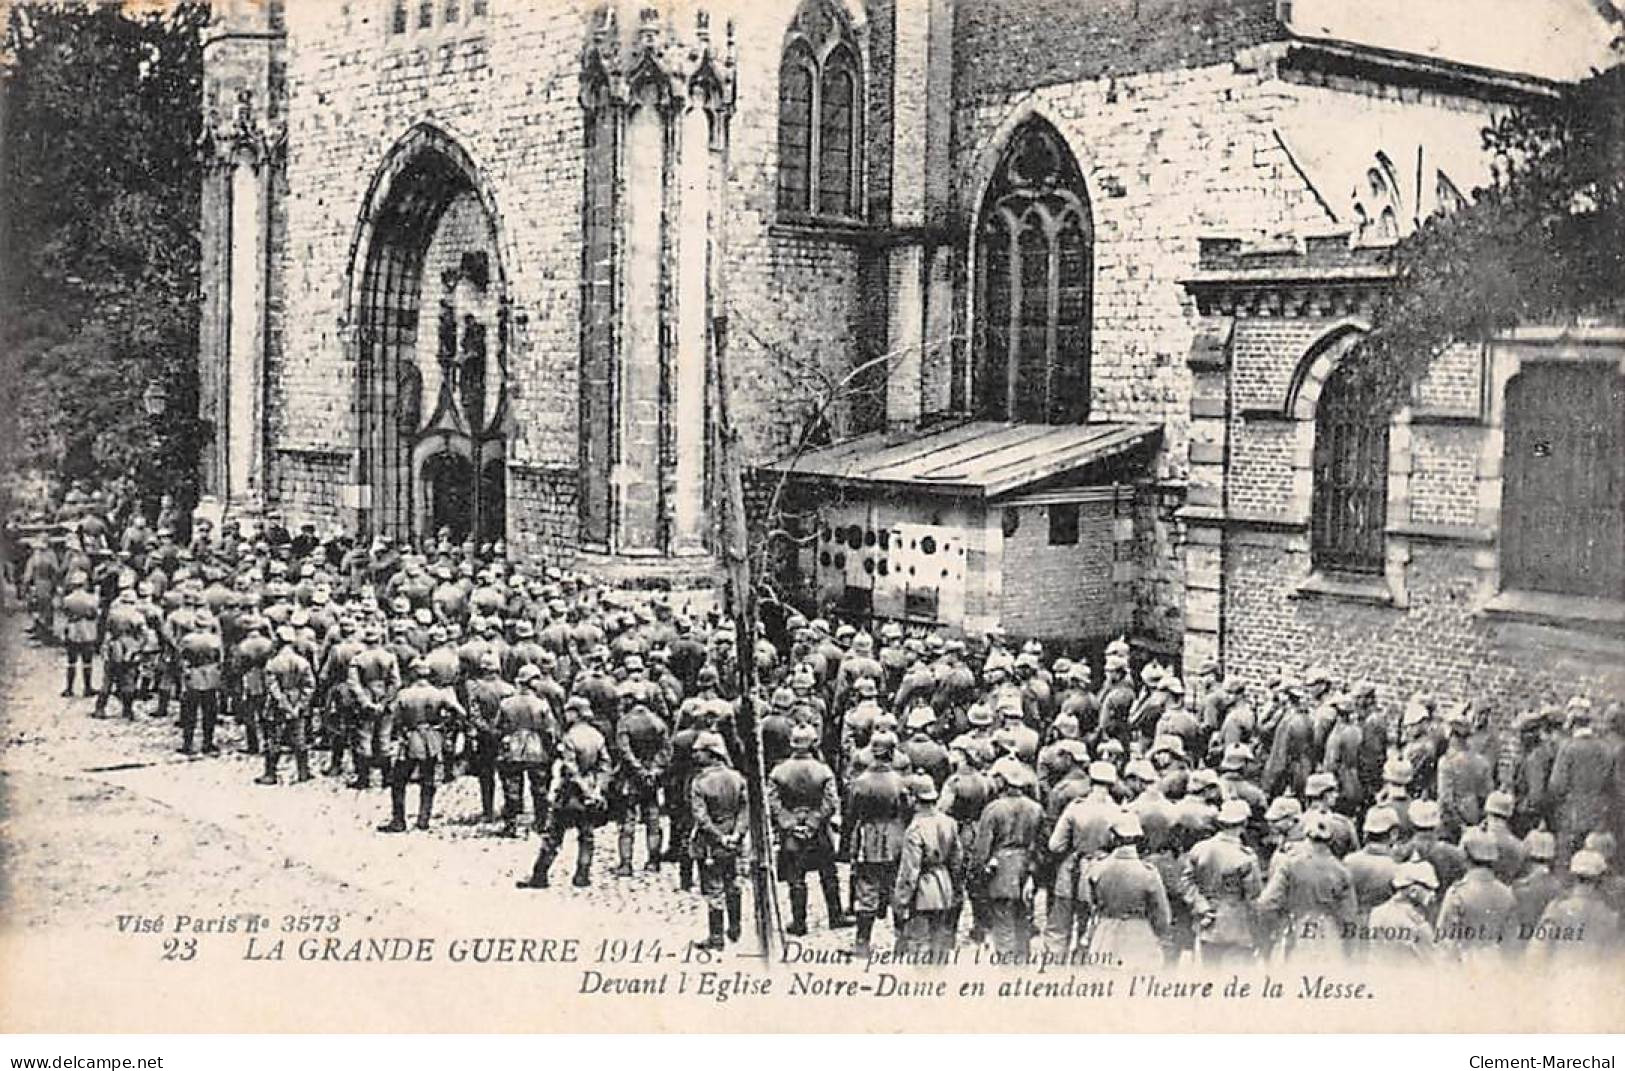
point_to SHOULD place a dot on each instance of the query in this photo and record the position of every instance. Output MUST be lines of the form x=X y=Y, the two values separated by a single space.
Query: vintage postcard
x=813 y=515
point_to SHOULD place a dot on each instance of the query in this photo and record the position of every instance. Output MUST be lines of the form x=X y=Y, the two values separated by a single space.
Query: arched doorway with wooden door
x=1563 y=496
x=430 y=307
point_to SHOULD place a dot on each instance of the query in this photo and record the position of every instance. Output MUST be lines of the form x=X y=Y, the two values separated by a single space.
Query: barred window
x=397 y=16
x=1035 y=269
x=1349 y=510
x=820 y=115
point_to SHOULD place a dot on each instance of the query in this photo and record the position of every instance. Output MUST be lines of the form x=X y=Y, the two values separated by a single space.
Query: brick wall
x=542 y=518
x=1440 y=644
x=1061 y=591
x=306 y=486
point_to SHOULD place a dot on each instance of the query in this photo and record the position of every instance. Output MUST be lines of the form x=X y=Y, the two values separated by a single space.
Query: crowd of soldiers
x=958 y=779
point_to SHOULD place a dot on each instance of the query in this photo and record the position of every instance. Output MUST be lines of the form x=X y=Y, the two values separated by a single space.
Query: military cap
x=919 y=717
x=1102 y=773
x=1379 y=820
x=891 y=630
x=1111 y=746
x=1141 y=770
x=862 y=641
x=287 y=634
x=419 y=667
x=1283 y=807
x=1235 y=812
x=579 y=704
x=1425 y=814
x=490 y=662
x=1539 y=844
x=1151 y=673
x=1317 y=827
x=1480 y=846
x=844 y=631
x=1200 y=779
x=1588 y=864
x=1065 y=726
x=527 y=672
x=1171 y=684
x=144 y=588
x=1578 y=708
x=1318 y=783
x=866 y=687
x=882 y=740
x=921 y=787
x=400 y=605
x=1116 y=662
x=979 y=714
x=1126 y=826
x=934 y=642
x=1168 y=744
x=1416 y=872
x=1013 y=772
x=1397 y=772
x=803 y=738
x=706 y=675
x=1010 y=708
x=1119 y=646
x=1209 y=667
x=1236 y=757
x=1528 y=721
x=1415 y=713
x=1078 y=671
x=710 y=742
x=1499 y=804
x=1599 y=840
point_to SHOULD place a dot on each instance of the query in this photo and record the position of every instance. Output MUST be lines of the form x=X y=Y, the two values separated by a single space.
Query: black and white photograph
x=819 y=516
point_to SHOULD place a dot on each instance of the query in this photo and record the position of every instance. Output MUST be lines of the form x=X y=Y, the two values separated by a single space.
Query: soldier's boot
x=488 y=801
x=538 y=869
x=685 y=872
x=584 y=845
x=208 y=735
x=425 y=802
x=335 y=760
x=397 y=810
x=301 y=760
x=271 y=760
x=67 y=688
x=866 y=926
x=253 y=741
x=88 y=689
x=831 y=885
x=798 y=911
x=734 y=912
x=163 y=704
x=652 y=838
x=363 y=772
x=625 y=843
x=186 y=747
x=713 y=935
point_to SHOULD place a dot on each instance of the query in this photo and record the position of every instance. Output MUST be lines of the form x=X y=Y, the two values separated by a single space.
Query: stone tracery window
x=1035 y=266
x=820 y=115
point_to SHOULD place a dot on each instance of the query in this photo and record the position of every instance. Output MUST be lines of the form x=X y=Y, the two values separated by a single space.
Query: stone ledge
x=1605 y=616
x=1443 y=533
x=1373 y=589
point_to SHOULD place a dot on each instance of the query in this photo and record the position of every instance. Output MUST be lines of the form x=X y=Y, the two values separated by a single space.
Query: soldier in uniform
x=927 y=893
x=1531 y=776
x=643 y=751
x=803 y=803
x=1580 y=924
x=121 y=655
x=1464 y=779
x=1126 y=902
x=1477 y=914
x=412 y=730
x=1449 y=861
x=1509 y=860
x=1399 y=932
x=200 y=658
x=1373 y=866
x=486 y=694
x=1320 y=797
x=80 y=613
x=1313 y=893
x=965 y=794
x=1081 y=833
x=254 y=650
x=878 y=812
x=289 y=687
x=582 y=805
x=337 y=699
x=717 y=799
x=1220 y=880
x=1579 y=782
x=373 y=677
x=527 y=737
x=1538 y=886
x=1005 y=852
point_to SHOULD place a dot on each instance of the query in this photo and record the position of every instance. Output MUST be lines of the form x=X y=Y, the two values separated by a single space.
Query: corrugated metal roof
x=978 y=459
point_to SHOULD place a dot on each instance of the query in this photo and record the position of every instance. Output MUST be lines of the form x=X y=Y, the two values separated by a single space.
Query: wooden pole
x=741 y=607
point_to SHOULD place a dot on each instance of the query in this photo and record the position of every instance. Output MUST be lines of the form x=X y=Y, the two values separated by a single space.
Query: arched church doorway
x=431 y=346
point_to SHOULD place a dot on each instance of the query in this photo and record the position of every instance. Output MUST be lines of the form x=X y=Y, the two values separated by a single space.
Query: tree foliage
x=1545 y=241
x=100 y=238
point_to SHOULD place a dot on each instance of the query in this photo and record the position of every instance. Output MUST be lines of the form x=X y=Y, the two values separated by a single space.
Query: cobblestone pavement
x=104 y=817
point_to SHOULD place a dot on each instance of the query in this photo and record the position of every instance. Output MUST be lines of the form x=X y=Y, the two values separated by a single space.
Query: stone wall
x=306 y=488
x=1066 y=592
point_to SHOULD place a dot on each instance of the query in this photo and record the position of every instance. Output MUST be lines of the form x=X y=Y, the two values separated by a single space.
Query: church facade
x=1055 y=290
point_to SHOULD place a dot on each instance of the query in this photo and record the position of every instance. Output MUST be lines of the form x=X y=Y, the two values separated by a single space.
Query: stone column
x=243 y=411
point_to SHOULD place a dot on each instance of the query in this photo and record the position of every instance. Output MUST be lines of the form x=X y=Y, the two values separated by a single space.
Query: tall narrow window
x=1035 y=258
x=820 y=115
x=1349 y=508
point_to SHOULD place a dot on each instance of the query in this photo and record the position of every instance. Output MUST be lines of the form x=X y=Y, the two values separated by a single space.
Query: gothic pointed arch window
x=1349 y=504
x=820 y=115
x=1035 y=285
